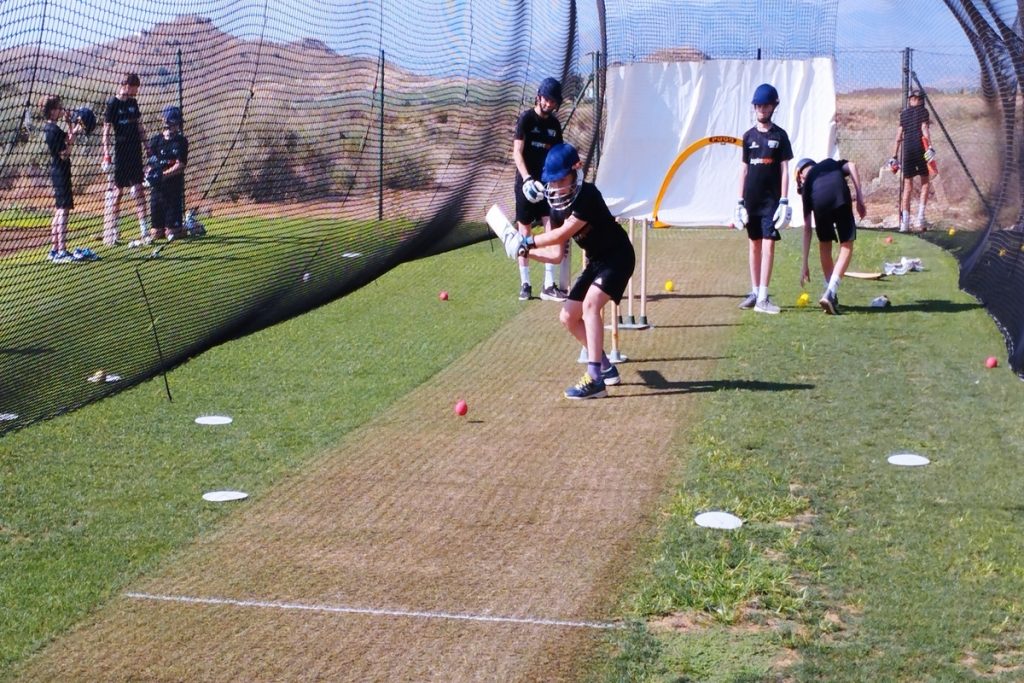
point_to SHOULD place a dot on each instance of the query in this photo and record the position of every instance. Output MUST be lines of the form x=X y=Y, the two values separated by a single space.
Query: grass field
x=846 y=568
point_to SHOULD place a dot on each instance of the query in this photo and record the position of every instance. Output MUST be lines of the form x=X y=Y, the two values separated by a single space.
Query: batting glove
x=740 y=217
x=929 y=154
x=783 y=214
x=894 y=165
x=533 y=190
x=525 y=244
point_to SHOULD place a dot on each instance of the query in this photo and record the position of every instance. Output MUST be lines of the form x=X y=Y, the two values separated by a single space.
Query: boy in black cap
x=826 y=196
x=537 y=130
x=580 y=211
x=913 y=129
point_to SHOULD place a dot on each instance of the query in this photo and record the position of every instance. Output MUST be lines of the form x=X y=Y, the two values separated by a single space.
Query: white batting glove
x=740 y=217
x=929 y=154
x=783 y=214
x=533 y=190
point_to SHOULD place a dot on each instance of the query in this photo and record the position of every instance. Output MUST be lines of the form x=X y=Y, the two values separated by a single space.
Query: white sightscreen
x=656 y=110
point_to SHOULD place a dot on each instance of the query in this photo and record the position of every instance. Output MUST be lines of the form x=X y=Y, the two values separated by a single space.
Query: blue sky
x=868 y=31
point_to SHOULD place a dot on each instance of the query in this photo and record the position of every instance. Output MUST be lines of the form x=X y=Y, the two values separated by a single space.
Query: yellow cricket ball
x=952 y=231
x=669 y=285
x=803 y=299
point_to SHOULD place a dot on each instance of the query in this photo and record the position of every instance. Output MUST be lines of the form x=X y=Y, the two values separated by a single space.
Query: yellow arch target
x=683 y=156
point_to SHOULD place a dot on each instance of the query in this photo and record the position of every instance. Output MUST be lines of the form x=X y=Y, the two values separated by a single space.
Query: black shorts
x=62 y=195
x=128 y=168
x=611 y=277
x=914 y=165
x=165 y=204
x=762 y=228
x=528 y=212
x=835 y=225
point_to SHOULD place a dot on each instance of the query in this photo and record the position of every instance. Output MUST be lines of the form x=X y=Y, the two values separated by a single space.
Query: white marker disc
x=908 y=460
x=718 y=520
x=7 y=417
x=113 y=378
x=351 y=254
x=224 y=496
x=213 y=420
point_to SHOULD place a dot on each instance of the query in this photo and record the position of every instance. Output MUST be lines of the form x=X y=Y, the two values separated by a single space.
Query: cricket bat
x=503 y=228
x=933 y=168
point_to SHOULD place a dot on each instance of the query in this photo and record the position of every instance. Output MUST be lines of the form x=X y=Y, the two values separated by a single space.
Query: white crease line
x=374 y=612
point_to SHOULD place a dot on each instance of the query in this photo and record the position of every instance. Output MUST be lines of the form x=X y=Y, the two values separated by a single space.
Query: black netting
x=331 y=141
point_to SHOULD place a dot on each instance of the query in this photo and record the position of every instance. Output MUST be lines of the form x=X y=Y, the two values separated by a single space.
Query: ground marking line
x=366 y=610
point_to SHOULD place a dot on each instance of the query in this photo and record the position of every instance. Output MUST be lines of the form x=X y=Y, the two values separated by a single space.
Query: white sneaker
x=766 y=306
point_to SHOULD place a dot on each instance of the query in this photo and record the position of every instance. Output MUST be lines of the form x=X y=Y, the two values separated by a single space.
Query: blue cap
x=765 y=94
x=560 y=160
x=551 y=89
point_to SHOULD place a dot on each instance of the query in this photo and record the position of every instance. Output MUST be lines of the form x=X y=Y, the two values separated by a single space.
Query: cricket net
x=330 y=142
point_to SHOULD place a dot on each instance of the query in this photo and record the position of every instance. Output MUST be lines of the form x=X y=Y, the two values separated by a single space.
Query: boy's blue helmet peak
x=551 y=89
x=560 y=160
x=765 y=94
x=172 y=115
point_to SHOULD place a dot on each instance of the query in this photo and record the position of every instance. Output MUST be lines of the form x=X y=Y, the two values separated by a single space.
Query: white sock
x=833 y=284
x=905 y=217
x=142 y=227
x=524 y=275
x=762 y=293
x=920 y=213
x=549 y=274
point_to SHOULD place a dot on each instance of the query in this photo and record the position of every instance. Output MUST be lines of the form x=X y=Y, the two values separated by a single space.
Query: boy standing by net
x=123 y=118
x=537 y=131
x=826 y=196
x=764 y=184
x=910 y=136
x=582 y=215
x=166 y=175
x=59 y=145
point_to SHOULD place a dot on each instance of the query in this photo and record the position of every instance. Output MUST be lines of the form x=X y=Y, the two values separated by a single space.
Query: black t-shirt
x=764 y=152
x=911 y=119
x=538 y=136
x=123 y=116
x=167 y=151
x=602 y=238
x=56 y=142
x=825 y=186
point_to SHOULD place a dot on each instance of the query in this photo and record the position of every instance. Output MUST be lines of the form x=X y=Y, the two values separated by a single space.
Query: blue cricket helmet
x=86 y=117
x=765 y=94
x=551 y=89
x=560 y=160
x=172 y=115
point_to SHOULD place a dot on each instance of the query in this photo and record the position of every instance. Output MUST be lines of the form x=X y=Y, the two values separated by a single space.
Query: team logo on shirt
x=772 y=144
x=763 y=160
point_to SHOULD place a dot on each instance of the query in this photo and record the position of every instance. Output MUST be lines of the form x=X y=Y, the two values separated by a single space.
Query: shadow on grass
x=665 y=295
x=676 y=327
x=924 y=306
x=656 y=381
x=25 y=352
